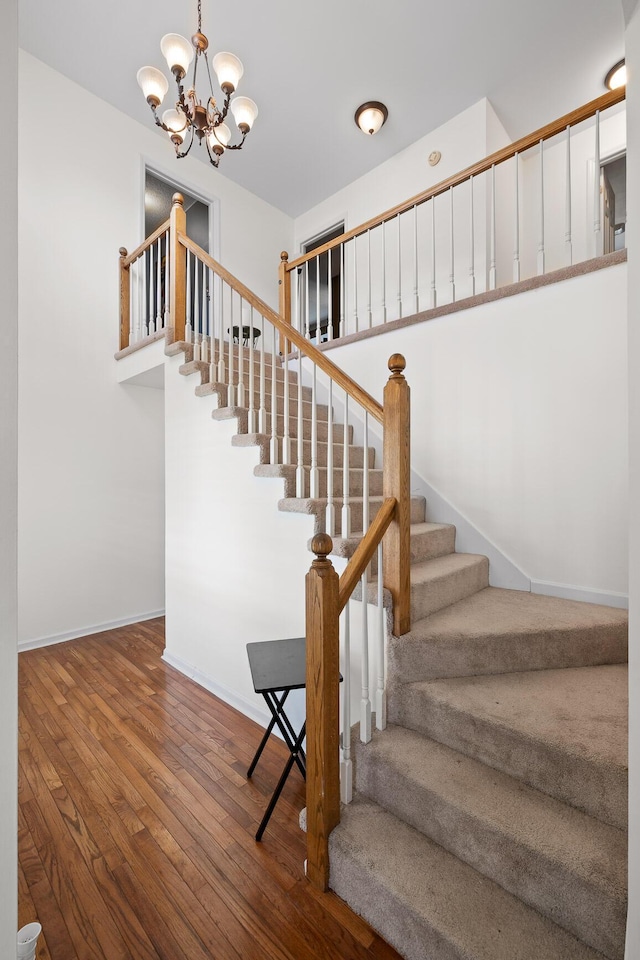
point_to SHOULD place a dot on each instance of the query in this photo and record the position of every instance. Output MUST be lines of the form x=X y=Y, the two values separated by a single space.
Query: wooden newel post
x=125 y=299
x=177 y=271
x=284 y=287
x=323 y=675
x=396 y=483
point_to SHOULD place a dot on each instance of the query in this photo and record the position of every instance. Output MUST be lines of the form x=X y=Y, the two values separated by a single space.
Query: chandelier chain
x=199 y=16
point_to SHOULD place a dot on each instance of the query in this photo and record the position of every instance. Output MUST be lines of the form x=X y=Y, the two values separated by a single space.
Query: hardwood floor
x=137 y=822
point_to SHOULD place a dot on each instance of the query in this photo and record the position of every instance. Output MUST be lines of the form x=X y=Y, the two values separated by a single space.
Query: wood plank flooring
x=137 y=822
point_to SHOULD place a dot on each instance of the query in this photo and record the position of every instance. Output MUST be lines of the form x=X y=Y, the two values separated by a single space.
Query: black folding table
x=277 y=668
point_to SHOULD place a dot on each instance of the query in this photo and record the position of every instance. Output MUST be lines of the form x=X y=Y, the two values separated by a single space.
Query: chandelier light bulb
x=153 y=84
x=220 y=135
x=228 y=70
x=177 y=51
x=244 y=112
x=176 y=121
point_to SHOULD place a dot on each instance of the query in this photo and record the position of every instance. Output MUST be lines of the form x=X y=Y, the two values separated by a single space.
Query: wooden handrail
x=148 y=242
x=607 y=100
x=364 y=551
x=289 y=333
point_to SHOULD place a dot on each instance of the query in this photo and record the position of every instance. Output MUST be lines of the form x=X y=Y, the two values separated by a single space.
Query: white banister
x=383 y=273
x=567 y=221
x=433 y=297
x=286 y=440
x=369 y=316
x=231 y=389
x=346 y=766
x=472 y=268
x=188 y=328
x=262 y=347
x=355 y=285
x=452 y=256
x=314 y=473
x=416 y=295
x=253 y=424
x=346 y=506
x=381 y=693
x=330 y=518
x=242 y=392
x=399 y=254
x=597 y=203
x=299 y=441
x=516 y=245
x=541 y=233
x=158 y=322
x=492 y=242
x=274 y=452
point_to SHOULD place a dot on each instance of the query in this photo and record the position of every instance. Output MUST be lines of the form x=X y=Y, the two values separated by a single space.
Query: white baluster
x=196 y=310
x=342 y=332
x=242 y=398
x=286 y=443
x=142 y=329
x=541 y=235
x=492 y=261
x=516 y=245
x=206 y=317
x=346 y=767
x=300 y=468
x=133 y=296
x=597 y=223
x=416 y=297
x=329 y=296
x=188 y=326
x=314 y=477
x=383 y=273
x=231 y=390
x=330 y=519
x=472 y=244
x=452 y=270
x=433 y=297
x=346 y=506
x=273 y=454
x=217 y=290
x=158 y=323
x=399 y=251
x=369 y=276
x=355 y=284
x=381 y=692
x=365 y=702
x=318 y=304
x=307 y=332
x=263 y=400
x=567 y=230
x=253 y=420
x=151 y=328
x=167 y=278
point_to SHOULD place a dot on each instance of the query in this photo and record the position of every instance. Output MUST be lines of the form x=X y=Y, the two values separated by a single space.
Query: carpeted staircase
x=489 y=821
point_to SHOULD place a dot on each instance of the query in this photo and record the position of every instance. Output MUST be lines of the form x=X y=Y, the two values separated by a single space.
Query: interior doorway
x=323 y=291
x=613 y=190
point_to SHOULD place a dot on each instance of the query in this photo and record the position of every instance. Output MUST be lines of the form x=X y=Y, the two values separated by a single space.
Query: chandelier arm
x=236 y=146
x=214 y=160
x=157 y=119
x=182 y=153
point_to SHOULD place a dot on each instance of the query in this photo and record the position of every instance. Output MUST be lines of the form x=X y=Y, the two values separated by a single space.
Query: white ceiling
x=308 y=68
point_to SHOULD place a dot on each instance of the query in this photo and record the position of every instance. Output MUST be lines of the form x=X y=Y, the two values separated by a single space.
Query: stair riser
x=428 y=598
x=431 y=544
x=436 y=658
x=551 y=887
x=584 y=783
x=262 y=424
x=356 y=454
x=223 y=392
x=417 y=512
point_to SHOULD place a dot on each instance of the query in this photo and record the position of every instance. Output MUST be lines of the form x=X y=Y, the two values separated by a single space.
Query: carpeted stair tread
x=318 y=506
x=561 y=731
x=429 y=904
x=288 y=472
x=567 y=865
x=428 y=540
x=445 y=580
x=501 y=631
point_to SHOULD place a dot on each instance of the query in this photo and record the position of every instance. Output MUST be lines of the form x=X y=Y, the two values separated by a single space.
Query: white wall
x=235 y=564
x=8 y=502
x=519 y=419
x=91 y=461
x=632 y=54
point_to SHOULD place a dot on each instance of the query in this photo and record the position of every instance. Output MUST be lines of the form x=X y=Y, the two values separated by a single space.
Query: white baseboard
x=85 y=631
x=570 y=592
x=232 y=697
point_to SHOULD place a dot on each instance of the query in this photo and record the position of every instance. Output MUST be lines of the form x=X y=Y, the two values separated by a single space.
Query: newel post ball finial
x=177 y=198
x=284 y=256
x=321 y=545
x=397 y=363
x=123 y=252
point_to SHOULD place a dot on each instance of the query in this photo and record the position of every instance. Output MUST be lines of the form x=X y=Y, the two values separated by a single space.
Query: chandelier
x=191 y=118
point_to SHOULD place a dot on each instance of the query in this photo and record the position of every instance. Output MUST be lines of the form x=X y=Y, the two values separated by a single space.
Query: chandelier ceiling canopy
x=192 y=118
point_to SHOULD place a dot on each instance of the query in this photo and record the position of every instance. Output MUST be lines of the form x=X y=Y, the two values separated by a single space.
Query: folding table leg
x=267 y=732
x=281 y=782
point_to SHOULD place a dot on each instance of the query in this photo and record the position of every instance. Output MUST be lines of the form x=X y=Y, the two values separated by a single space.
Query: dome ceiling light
x=190 y=118
x=370 y=116
x=617 y=76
